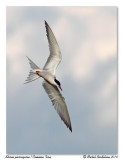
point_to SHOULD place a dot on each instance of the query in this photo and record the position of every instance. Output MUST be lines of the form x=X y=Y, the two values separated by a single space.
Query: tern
x=50 y=83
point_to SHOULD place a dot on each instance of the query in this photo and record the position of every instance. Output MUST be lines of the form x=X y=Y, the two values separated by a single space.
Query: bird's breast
x=48 y=77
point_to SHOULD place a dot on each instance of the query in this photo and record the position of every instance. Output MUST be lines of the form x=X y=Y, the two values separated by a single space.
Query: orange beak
x=60 y=88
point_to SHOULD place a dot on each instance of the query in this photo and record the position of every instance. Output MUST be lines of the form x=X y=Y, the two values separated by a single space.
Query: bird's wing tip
x=45 y=22
x=70 y=128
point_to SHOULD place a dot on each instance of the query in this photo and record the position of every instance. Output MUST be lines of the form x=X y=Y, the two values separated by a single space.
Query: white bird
x=50 y=82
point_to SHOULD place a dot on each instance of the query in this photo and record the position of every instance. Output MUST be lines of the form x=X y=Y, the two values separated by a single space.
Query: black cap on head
x=57 y=82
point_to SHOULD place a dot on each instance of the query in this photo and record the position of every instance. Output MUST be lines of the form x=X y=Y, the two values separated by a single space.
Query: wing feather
x=59 y=103
x=55 y=54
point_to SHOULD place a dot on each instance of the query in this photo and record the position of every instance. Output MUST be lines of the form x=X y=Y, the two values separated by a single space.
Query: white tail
x=32 y=76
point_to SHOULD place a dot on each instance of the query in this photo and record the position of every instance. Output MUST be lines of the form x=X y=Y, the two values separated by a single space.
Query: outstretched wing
x=55 y=55
x=59 y=103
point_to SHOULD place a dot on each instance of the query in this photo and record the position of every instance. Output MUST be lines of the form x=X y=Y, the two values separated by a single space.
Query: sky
x=87 y=37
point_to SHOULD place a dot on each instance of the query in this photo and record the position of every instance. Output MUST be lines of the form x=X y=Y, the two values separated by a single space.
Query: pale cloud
x=17 y=46
x=79 y=12
x=83 y=62
x=108 y=117
x=14 y=16
x=16 y=42
x=105 y=104
x=110 y=83
x=100 y=44
x=63 y=31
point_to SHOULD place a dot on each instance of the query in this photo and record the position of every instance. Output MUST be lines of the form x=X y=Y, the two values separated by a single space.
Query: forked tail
x=32 y=76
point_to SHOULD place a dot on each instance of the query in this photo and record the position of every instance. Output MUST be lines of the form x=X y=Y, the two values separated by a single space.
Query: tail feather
x=32 y=76
x=32 y=64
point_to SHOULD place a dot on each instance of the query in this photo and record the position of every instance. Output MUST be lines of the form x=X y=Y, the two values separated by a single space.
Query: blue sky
x=87 y=37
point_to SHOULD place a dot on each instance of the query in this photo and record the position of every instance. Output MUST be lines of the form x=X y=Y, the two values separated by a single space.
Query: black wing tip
x=68 y=125
x=46 y=24
x=70 y=128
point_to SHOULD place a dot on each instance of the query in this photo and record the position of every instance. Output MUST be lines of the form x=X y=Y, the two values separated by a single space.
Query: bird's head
x=58 y=84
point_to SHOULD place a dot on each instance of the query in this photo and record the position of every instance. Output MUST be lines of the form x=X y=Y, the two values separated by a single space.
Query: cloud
x=100 y=44
x=79 y=12
x=103 y=93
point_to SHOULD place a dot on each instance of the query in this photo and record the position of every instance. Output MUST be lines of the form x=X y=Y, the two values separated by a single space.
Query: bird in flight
x=50 y=83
